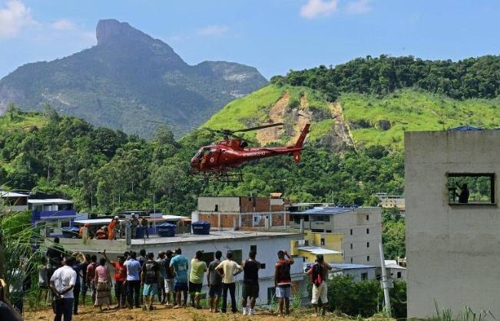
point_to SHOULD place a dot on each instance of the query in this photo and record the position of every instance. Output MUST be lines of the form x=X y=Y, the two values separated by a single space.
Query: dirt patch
x=163 y=313
x=276 y=114
x=341 y=129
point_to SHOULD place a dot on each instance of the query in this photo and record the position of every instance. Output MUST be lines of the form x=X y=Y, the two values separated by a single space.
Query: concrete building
x=242 y=211
x=314 y=243
x=452 y=236
x=361 y=228
x=14 y=202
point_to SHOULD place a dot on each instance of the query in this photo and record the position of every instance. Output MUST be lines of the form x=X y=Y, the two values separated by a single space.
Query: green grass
x=409 y=110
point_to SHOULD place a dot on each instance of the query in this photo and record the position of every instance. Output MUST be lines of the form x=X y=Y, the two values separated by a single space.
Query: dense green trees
x=106 y=171
x=468 y=78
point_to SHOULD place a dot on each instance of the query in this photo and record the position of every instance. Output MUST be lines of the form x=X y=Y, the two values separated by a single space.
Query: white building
x=266 y=245
x=452 y=247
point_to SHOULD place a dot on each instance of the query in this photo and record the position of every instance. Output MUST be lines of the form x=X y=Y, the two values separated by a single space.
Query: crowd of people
x=170 y=278
x=116 y=228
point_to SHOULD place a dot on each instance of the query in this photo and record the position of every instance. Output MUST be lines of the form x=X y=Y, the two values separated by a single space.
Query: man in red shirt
x=283 y=280
x=120 y=280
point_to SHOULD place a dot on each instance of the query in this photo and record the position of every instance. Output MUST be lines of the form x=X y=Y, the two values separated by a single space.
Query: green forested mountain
x=354 y=148
x=127 y=79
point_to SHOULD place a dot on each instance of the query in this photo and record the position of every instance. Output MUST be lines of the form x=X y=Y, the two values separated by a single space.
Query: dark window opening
x=253 y=248
x=364 y=276
x=367 y=244
x=367 y=231
x=471 y=188
x=351 y=231
x=368 y=258
x=367 y=217
x=216 y=208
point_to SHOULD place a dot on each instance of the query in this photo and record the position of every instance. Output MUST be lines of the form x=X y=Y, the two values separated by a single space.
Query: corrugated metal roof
x=49 y=201
x=318 y=250
x=13 y=194
x=343 y=266
x=325 y=210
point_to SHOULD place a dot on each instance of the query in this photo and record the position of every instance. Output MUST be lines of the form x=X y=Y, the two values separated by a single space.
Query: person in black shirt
x=251 y=283
x=150 y=278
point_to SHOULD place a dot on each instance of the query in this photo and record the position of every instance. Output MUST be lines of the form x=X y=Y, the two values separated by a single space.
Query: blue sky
x=275 y=36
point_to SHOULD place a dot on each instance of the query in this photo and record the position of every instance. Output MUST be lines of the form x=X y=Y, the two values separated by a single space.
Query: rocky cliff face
x=127 y=79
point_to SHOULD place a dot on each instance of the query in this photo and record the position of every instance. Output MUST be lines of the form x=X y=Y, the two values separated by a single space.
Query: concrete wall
x=218 y=204
x=453 y=251
x=362 y=231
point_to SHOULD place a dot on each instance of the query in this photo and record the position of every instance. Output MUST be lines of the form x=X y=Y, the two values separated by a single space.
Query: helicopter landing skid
x=230 y=177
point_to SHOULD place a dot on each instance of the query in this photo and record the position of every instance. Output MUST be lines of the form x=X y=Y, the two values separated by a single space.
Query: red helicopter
x=217 y=160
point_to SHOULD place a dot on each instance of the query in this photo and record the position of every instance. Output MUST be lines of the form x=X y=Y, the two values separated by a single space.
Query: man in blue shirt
x=179 y=267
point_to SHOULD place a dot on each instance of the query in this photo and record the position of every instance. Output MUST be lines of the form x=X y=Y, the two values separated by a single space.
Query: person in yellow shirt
x=227 y=269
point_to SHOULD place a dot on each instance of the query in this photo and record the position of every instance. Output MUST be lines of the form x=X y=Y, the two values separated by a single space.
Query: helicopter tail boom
x=302 y=136
x=300 y=143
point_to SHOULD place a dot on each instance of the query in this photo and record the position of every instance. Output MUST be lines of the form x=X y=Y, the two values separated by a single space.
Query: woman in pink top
x=102 y=282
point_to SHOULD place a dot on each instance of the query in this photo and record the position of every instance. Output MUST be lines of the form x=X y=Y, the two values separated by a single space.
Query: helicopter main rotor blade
x=256 y=128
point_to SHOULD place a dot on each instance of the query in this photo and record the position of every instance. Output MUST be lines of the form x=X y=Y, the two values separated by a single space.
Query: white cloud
x=213 y=30
x=318 y=8
x=13 y=18
x=64 y=25
x=358 y=6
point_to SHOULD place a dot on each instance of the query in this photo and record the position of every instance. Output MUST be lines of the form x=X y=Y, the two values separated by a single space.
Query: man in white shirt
x=62 y=283
x=227 y=269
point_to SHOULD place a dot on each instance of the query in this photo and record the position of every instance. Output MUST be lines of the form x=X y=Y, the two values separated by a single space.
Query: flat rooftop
x=215 y=235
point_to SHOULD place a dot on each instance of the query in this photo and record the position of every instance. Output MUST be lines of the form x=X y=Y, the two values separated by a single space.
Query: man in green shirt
x=198 y=269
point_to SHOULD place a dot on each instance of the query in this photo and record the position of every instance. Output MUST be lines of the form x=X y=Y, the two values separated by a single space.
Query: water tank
x=166 y=229
x=200 y=227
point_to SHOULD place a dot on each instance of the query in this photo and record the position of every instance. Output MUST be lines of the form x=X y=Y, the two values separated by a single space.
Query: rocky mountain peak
x=111 y=31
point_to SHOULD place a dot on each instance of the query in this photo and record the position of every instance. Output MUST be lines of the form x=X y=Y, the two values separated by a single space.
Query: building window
x=364 y=276
x=322 y=241
x=351 y=231
x=368 y=258
x=367 y=244
x=471 y=188
x=367 y=231
x=216 y=208
x=367 y=217
x=399 y=275
x=351 y=259
x=253 y=248
x=351 y=246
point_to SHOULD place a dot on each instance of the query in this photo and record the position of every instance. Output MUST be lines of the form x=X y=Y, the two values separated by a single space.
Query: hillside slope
x=355 y=120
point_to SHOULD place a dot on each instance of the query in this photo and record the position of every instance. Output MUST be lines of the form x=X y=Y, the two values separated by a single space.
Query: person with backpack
x=283 y=281
x=319 y=275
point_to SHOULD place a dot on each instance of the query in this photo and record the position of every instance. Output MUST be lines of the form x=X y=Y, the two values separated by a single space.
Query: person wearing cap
x=319 y=275
x=112 y=226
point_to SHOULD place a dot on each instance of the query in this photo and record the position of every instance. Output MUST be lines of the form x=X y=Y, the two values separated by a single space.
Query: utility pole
x=385 y=283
